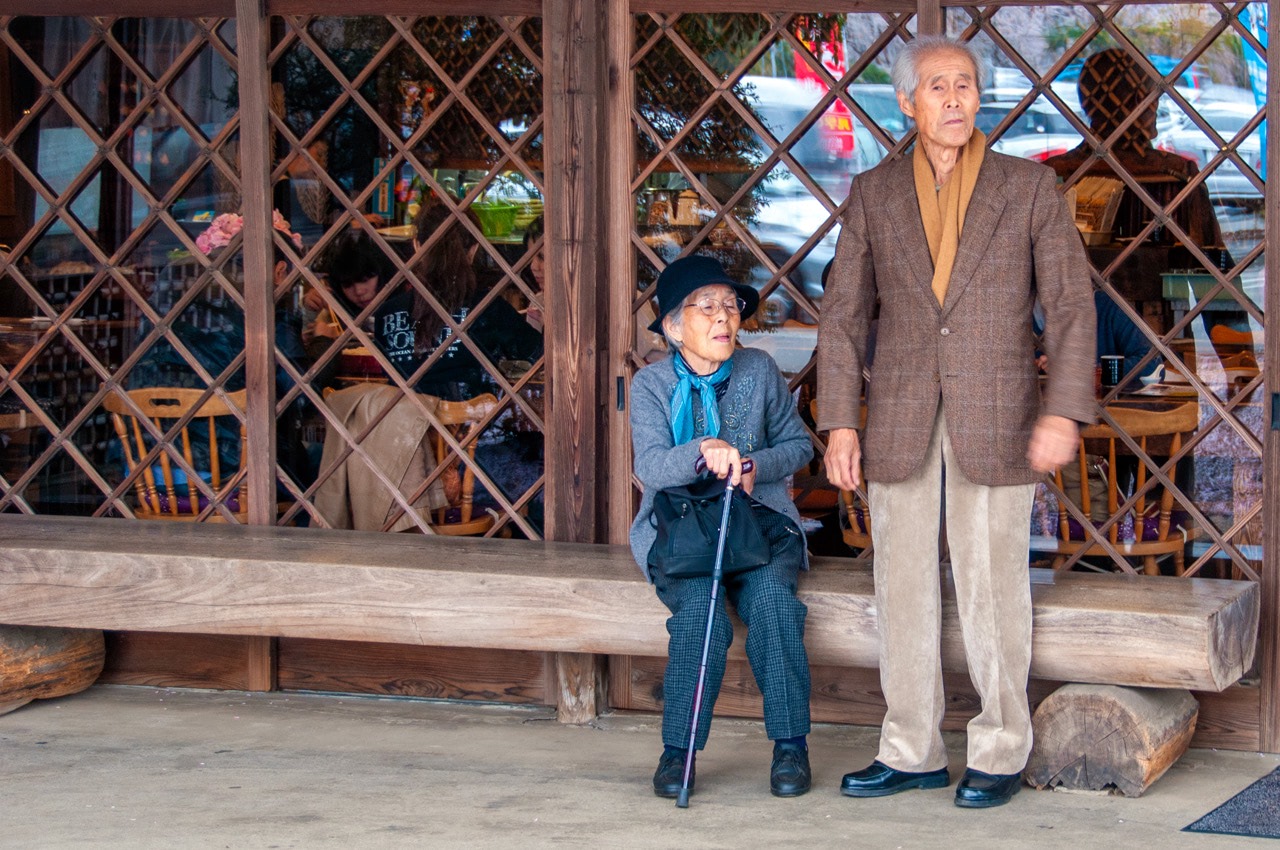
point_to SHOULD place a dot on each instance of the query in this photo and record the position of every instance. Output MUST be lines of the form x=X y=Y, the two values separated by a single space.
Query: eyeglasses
x=711 y=306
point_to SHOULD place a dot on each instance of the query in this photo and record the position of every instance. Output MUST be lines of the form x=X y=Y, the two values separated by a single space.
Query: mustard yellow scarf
x=942 y=210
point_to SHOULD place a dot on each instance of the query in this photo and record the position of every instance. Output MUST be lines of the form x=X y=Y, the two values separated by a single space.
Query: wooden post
x=581 y=79
x=582 y=686
x=620 y=136
x=931 y=18
x=38 y=662
x=259 y=291
x=1092 y=737
x=1269 y=625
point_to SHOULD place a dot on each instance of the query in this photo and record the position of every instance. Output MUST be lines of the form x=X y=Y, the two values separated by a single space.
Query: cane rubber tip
x=682 y=799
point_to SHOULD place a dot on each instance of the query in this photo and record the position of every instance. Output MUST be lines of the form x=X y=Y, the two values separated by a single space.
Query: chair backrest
x=461 y=418
x=1140 y=425
x=1240 y=360
x=1230 y=336
x=856 y=521
x=163 y=491
x=17 y=421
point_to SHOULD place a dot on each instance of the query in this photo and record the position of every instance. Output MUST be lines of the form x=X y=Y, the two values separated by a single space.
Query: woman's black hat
x=689 y=274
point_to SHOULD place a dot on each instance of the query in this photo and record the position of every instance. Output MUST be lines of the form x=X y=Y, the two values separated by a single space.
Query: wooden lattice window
x=121 y=143
x=382 y=122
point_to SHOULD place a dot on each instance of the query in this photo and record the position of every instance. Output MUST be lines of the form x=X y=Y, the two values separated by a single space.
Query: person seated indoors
x=356 y=270
x=409 y=329
x=1117 y=335
x=535 y=275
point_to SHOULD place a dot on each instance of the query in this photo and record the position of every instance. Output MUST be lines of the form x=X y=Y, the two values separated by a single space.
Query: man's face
x=946 y=99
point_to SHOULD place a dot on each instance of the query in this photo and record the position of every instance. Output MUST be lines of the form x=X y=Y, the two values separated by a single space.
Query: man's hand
x=844 y=458
x=1054 y=442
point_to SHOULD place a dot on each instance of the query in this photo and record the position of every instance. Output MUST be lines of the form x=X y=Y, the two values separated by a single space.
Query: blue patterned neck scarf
x=682 y=399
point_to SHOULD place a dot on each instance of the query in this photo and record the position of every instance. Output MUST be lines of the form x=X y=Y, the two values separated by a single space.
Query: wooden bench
x=574 y=599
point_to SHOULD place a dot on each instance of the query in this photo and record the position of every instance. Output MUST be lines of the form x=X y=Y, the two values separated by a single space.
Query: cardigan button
x=946 y=331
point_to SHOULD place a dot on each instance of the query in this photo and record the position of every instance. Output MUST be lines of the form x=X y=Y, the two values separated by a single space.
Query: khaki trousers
x=988 y=532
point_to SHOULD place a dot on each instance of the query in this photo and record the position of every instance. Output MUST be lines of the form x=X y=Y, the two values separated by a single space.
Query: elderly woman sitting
x=726 y=405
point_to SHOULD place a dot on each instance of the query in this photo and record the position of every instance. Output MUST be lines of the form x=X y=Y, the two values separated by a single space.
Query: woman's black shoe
x=978 y=790
x=880 y=780
x=789 y=775
x=669 y=776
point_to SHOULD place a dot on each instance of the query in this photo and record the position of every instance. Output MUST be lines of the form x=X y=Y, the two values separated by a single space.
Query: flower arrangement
x=225 y=227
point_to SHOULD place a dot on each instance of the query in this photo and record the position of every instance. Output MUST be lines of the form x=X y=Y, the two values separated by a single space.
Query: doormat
x=1254 y=812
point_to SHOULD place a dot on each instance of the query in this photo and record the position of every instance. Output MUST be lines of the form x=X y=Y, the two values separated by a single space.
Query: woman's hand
x=321 y=327
x=533 y=316
x=723 y=460
x=313 y=300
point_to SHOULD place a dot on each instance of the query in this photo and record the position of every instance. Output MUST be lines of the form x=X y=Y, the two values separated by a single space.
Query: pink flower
x=225 y=227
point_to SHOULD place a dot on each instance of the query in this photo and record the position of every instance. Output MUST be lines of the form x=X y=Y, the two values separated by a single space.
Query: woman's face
x=538 y=268
x=707 y=341
x=361 y=292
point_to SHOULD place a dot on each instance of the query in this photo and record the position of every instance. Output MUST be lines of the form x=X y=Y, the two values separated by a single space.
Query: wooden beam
x=559 y=597
x=640 y=7
x=125 y=8
x=228 y=8
x=619 y=223
x=576 y=99
x=406 y=7
x=1269 y=666
x=252 y=39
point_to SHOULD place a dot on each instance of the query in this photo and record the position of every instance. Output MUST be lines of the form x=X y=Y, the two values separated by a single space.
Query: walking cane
x=682 y=799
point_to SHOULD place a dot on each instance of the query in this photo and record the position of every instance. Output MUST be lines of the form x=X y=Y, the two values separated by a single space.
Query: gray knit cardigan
x=757 y=416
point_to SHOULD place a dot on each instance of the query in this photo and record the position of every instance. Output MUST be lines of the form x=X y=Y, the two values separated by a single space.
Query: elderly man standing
x=955 y=242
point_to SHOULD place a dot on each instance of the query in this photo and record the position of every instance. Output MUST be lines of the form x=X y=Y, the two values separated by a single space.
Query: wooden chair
x=461 y=418
x=856 y=528
x=163 y=496
x=855 y=525
x=1240 y=360
x=1155 y=536
x=17 y=421
x=1224 y=335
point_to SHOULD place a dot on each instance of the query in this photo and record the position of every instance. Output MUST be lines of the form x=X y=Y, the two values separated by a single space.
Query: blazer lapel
x=903 y=210
x=980 y=220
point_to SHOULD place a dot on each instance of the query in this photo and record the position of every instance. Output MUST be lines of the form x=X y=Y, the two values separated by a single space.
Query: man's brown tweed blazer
x=976 y=351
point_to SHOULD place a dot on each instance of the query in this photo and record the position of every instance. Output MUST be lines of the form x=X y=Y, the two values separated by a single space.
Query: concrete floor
x=150 y=768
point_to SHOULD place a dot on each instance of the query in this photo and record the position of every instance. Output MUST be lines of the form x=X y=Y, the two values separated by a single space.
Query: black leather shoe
x=978 y=790
x=669 y=776
x=789 y=775
x=880 y=780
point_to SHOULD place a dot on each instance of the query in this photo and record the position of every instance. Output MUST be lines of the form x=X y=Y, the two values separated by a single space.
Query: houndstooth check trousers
x=765 y=599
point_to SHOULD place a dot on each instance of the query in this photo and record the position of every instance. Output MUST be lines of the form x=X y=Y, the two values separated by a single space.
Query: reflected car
x=1038 y=132
x=787 y=216
x=836 y=145
x=1227 y=118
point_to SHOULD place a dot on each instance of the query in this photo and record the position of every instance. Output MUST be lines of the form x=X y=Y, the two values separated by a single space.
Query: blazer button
x=936 y=378
x=946 y=331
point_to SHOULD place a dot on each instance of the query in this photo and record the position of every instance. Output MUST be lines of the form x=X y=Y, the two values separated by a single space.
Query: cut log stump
x=43 y=662
x=1095 y=737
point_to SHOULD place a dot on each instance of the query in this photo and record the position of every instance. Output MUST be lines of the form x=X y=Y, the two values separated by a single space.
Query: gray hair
x=905 y=72
x=677 y=320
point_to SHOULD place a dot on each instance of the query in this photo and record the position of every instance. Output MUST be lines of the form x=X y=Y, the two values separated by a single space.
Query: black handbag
x=687 y=520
